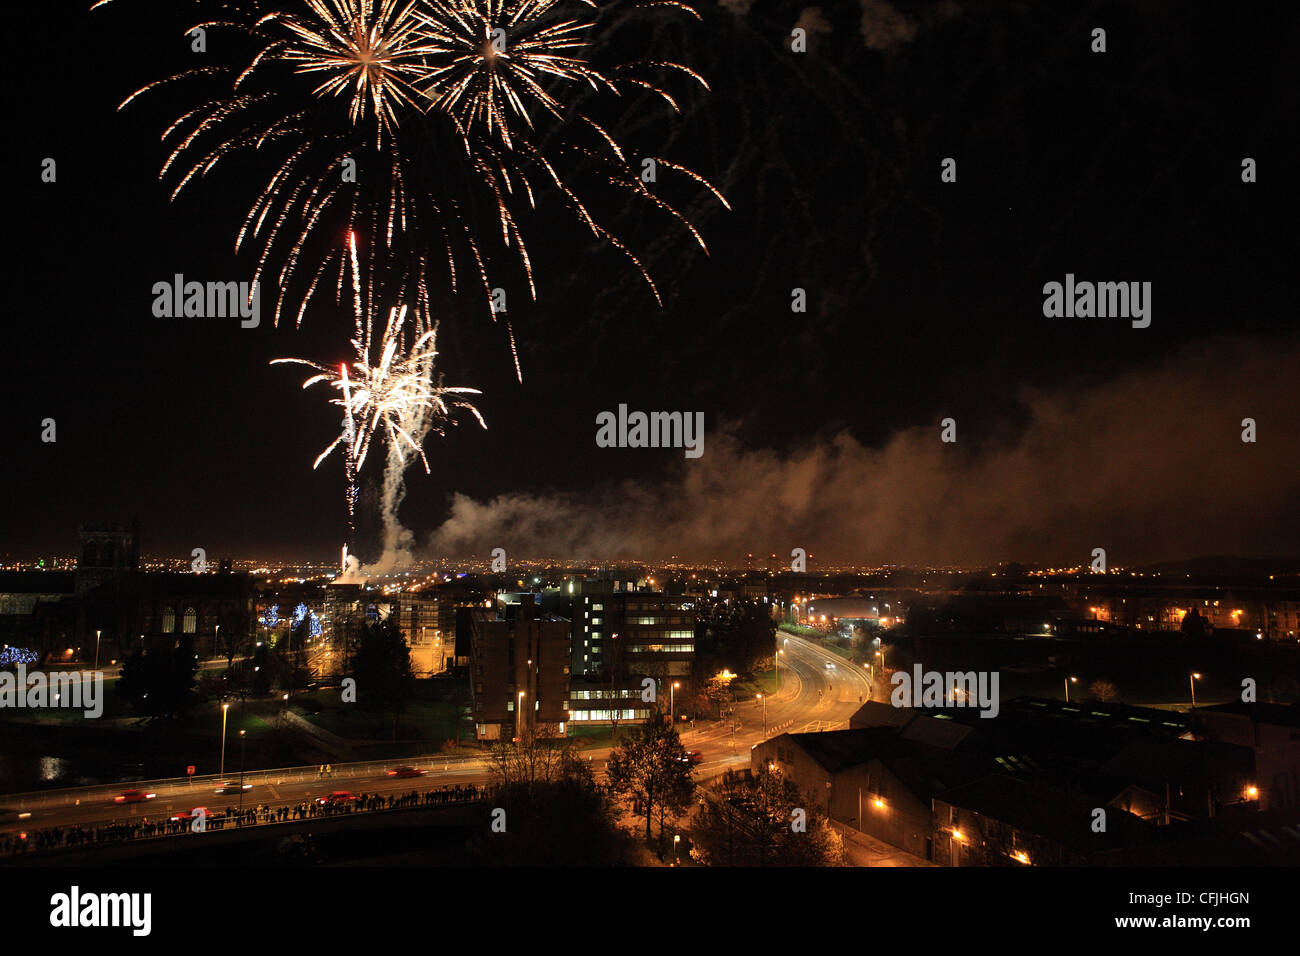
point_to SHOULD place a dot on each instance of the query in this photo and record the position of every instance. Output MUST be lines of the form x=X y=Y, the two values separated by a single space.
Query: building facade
x=519 y=671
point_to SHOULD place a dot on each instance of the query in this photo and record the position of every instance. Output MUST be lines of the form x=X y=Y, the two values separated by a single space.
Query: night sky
x=924 y=301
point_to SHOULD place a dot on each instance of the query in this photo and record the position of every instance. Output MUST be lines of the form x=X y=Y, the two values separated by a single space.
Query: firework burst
x=390 y=389
x=451 y=140
x=493 y=57
x=369 y=51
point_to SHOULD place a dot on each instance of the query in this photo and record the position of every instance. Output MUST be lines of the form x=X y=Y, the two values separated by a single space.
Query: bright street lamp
x=97 y=633
x=1191 y=682
x=225 y=708
x=1072 y=680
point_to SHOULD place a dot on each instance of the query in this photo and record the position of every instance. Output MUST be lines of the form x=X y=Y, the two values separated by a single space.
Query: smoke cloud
x=1149 y=465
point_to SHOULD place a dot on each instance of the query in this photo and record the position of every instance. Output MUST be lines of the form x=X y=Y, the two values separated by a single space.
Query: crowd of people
x=63 y=837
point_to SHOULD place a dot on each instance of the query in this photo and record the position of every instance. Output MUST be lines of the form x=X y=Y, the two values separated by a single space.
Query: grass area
x=434 y=720
x=114 y=705
x=843 y=647
x=595 y=736
x=765 y=682
x=760 y=682
x=800 y=630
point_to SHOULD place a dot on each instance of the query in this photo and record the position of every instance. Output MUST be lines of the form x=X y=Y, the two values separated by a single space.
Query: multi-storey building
x=421 y=616
x=519 y=671
x=621 y=638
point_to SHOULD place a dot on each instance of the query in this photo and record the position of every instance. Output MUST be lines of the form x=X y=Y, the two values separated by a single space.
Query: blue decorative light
x=299 y=613
x=10 y=656
x=315 y=625
x=272 y=616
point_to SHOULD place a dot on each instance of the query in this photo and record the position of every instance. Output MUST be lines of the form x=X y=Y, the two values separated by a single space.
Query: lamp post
x=225 y=708
x=672 y=703
x=241 y=771
x=1068 y=682
x=1191 y=682
x=764 y=700
x=97 y=633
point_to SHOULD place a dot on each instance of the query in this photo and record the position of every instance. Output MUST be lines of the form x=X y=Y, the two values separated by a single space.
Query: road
x=812 y=697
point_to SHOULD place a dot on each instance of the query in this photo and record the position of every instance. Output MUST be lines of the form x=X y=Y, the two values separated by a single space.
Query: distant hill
x=1229 y=564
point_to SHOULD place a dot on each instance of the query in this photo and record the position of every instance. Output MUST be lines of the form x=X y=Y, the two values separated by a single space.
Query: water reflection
x=52 y=769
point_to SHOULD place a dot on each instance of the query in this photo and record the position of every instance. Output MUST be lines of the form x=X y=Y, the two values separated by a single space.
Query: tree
x=160 y=682
x=718 y=689
x=228 y=638
x=1103 y=690
x=1193 y=624
x=555 y=813
x=653 y=768
x=381 y=667
x=535 y=758
x=762 y=820
x=737 y=635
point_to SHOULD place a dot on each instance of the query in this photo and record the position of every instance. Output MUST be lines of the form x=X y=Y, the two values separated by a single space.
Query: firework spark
x=389 y=389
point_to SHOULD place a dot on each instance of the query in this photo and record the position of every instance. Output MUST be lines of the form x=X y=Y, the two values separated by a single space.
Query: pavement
x=861 y=849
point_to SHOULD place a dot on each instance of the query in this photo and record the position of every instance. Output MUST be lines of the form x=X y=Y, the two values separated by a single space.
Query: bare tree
x=1103 y=690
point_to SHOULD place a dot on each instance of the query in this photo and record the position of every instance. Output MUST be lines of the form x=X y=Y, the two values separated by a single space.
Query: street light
x=225 y=708
x=1191 y=682
x=97 y=633
x=672 y=702
x=764 y=700
x=776 y=664
x=1072 y=680
x=241 y=771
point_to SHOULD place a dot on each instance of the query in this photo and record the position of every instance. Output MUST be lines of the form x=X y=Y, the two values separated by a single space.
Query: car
x=694 y=756
x=339 y=798
x=830 y=665
x=233 y=786
x=406 y=772
x=133 y=796
x=186 y=815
